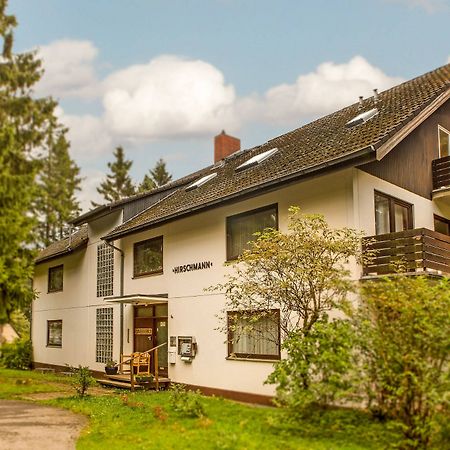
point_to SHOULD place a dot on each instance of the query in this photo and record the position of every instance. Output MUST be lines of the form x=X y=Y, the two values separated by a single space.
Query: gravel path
x=25 y=425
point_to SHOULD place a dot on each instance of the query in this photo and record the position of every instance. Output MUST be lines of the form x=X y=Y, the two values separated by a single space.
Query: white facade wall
x=346 y=198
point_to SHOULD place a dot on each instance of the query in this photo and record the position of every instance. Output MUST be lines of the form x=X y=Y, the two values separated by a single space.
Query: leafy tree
x=25 y=126
x=318 y=367
x=118 y=183
x=403 y=343
x=302 y=273
x=158 y=176
x=58 y=182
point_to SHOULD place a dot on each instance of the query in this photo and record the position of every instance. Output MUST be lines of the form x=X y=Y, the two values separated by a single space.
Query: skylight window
x=362 y=118
x=257 y=159
x=201 y=181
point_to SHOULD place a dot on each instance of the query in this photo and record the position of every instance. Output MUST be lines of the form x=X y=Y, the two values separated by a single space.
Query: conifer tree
x=118 y=183
x=58 y=182
x=25 y=124
x=158 y=176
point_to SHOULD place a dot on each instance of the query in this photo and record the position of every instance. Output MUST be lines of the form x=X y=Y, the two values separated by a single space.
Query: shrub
x=185 y=402
x=82 y=379
x=403 y=343
x=17 y=355
x=316 y=368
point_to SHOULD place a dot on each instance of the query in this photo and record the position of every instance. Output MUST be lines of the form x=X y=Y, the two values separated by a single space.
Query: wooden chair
x=141 y=363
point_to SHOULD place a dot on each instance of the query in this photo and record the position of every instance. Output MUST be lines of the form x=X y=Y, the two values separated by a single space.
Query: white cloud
x=69 y=69
x=167 y=97
x=430 y=6
x=448 y=60
x=330 y=87
x=91 y=179
x=87 y=134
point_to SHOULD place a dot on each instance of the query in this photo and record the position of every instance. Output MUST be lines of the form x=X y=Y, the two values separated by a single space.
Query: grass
x=19 y=383
x=146 y=420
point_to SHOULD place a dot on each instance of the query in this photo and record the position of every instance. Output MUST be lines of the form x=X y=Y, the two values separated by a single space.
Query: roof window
x=362 y=118
x=257 y=159
x=201 y=181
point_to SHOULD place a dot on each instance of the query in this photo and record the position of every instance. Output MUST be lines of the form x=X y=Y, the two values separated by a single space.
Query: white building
x=382 y=166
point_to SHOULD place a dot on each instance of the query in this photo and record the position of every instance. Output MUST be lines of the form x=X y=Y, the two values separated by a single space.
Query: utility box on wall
x=172 y=352
x=187 y=348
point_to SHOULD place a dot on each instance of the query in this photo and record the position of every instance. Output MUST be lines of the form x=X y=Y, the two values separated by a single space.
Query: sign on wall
x=192 y=266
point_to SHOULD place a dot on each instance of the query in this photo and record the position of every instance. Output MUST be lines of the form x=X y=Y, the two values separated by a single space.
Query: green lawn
x=146 y=420
x=18 y=383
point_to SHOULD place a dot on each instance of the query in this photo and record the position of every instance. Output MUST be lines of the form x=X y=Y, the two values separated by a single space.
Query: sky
x=162 y=77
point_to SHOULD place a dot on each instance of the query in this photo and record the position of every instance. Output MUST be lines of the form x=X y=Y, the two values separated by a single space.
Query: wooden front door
x=150 y=330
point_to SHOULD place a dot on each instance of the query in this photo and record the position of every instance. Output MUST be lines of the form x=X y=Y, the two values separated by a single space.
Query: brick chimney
x=225 y=145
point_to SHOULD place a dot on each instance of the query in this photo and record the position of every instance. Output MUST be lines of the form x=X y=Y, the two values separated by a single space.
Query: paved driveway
x=26 y=426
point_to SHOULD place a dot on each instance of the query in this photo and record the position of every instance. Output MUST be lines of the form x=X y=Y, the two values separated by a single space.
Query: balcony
x=441 y=177
x=421 y=251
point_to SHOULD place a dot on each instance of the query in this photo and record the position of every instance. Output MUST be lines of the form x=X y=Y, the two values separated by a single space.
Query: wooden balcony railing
x=419 y=250
x=441 y=172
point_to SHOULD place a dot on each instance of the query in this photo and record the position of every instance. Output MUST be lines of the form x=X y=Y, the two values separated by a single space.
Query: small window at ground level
x=444 y=142
x=391 y=214
x=148 y=257
x=55 y=278
x=441 y=225
x=54 y=333
x=250 y=336
x=242 y=227
x=104 y=335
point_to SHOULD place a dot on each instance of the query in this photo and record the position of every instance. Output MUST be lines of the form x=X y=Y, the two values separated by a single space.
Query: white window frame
x=441 y=128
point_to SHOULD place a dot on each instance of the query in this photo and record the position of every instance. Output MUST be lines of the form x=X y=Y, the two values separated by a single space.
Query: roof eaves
x=393 y=139
x=330 y=164
x=63 y=252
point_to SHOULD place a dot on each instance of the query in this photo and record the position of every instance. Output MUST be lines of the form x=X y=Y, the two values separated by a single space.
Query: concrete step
x=119 y=384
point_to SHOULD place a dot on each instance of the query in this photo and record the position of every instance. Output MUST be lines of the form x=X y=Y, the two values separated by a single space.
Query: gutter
x=122 y=268
x=369 y=151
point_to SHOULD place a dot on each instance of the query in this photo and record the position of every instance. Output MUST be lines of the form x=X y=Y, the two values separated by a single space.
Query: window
x=104 y=335
x=257 y=159
x=105 y=270
x=54 y=333
x=441 y=225
x=444 y=142
x=250 y=337
x=148 y=257
x=201 y=181
x=242 y=227
x=362 y=118
x=391 y=214
x=55 y=278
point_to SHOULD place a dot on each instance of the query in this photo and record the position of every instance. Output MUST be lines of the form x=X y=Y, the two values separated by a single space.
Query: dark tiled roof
x=322 y=142
x=64 y=246
x=100 y=210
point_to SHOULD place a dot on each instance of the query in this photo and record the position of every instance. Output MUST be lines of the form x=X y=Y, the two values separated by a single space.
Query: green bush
x=17 y=355
x=317 y=367
x=185 y=402
x=82 y=379
x=403 y=342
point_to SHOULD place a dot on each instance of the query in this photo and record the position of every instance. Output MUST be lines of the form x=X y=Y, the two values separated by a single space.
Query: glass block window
x=104 y=335
x=105 y=270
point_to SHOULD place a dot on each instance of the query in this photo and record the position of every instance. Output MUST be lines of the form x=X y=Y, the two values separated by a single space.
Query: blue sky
x=162 y=78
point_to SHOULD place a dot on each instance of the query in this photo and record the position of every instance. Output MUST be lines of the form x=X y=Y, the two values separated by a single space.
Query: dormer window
x=201 y=181
x=257 y=159
x=444 y=142
x=362 y=118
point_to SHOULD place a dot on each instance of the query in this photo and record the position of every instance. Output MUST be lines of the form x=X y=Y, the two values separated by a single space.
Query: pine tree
x=118 y=183
x=58 y=182
x=25 y=124
x=158 y=176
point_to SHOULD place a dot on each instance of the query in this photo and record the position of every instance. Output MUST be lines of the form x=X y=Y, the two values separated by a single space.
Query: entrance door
x=150 y=330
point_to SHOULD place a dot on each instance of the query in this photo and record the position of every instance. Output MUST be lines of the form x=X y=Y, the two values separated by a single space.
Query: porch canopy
x=139 y=299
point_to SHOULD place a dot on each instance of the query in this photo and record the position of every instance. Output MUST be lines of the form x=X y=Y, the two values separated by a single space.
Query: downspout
x=122 y=268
